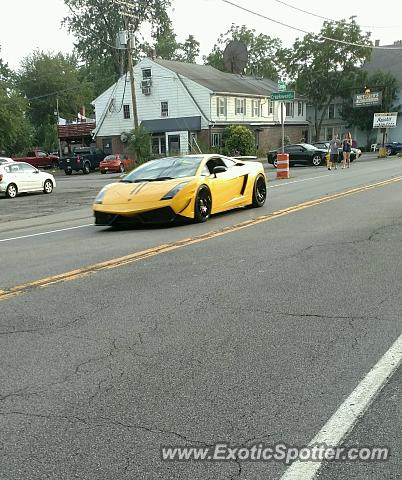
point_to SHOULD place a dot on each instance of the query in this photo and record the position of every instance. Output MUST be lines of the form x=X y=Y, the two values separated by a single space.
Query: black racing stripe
x=243 y=188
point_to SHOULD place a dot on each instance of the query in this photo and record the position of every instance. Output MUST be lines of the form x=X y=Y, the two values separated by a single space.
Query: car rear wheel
x=86 y=169
x=316 y=160
x=68 y=172
x=275 y=164
x=103 y=171
x=389 y=151
x=122 y=169
x=12 y=191
x=259 y=192
x=203 y=205
x=48 y=186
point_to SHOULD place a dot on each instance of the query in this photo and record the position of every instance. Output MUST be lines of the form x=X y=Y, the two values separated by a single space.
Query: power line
x=257 y=14
x=325 y=18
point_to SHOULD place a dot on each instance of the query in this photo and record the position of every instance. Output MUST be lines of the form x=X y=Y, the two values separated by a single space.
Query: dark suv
x=85 y=159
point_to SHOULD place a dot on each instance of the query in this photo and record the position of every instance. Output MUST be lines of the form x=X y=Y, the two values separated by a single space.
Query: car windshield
x=165 y=169
x=110 y=157
x=82 y=150
x=307 y=146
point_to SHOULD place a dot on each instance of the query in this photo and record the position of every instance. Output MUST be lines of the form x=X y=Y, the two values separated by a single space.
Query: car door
x=226 y=187
x=295 y=153
x=30 y=177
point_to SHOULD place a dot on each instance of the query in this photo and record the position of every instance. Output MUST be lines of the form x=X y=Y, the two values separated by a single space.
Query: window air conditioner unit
x=146 y=90
x=146 y=83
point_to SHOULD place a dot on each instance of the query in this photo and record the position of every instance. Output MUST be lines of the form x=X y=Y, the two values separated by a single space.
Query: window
x=300 y=109
x=126 y=111
x=331 y=111
x=240 y=105
x=329 y=133
x=270 y=107
x=221 y=106
x=256 y=108
x=290 y=106
x=146 y=73
x=216 y=139
x=164 y=109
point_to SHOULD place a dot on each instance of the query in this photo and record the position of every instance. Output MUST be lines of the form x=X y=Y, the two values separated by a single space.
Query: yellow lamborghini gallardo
x=191 y=186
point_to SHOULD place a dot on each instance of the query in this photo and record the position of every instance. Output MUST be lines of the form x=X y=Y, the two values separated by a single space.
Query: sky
x=39 y=22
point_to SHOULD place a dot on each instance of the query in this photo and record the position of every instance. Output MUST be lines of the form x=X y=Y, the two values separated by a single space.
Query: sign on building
x=367 y=99
x=385 y=120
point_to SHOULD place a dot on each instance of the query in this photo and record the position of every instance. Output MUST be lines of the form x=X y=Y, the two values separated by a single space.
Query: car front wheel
x=12 y=191
x=259 y=192
x=317 y=160
x=275 y=163
x=48 y=186
x=203 y=205
x=86 y=168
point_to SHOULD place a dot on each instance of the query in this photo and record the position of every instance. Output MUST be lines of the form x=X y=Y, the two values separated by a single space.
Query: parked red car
x=117 y=163
x=39 y=159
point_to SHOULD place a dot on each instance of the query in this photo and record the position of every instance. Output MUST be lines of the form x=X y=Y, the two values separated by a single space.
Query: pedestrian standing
x=334 y=146
x=346 y=148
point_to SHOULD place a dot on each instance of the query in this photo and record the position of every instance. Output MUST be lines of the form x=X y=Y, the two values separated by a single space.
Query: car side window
x=14 y=169
x=27 y=168
x=229 y=163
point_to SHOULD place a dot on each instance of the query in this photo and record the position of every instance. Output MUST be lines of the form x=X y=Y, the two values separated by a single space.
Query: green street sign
x=281 y=86
x=282 y=96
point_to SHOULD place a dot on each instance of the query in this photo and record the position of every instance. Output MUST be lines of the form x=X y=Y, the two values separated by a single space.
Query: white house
x=186 y=106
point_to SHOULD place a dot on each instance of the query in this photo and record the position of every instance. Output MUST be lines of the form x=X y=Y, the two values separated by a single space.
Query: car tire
x=68 y=172
x=316 y=160
x=48 y=187
x=121 y=168
x=55 y=164
x=259 y=192
x=202 y=205
x=86 y=168
x=103 y=171
x=12 y=190
x=389 y=152
x=275 y=162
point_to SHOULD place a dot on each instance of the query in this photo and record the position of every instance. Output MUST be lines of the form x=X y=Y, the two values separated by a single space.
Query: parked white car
x=20 y=177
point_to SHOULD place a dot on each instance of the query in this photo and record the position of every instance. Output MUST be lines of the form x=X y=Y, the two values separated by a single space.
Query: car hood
x=142 y=192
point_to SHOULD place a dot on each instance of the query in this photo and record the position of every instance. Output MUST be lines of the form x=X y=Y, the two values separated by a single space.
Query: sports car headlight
x=175 y=190
x=100 y=196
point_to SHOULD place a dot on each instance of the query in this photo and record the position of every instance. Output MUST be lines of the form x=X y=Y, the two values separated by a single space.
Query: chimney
x=377 y=43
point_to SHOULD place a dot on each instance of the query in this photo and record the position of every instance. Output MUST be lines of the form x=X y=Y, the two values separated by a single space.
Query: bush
x=139 y=145
x=238 y=140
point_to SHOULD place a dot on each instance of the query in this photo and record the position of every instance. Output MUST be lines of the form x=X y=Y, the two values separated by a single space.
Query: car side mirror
x=219 y=169
x=36 y=171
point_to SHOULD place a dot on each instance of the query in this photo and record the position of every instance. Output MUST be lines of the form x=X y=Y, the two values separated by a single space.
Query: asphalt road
x=247 y=335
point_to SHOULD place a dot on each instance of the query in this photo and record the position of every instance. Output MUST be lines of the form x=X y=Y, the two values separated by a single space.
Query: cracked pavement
x=256 y=336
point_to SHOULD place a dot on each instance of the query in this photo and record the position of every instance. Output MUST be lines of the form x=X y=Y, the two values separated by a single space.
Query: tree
x=262 y=50
x=139 y=144
x=238 y=140
x=95 y=24
x=362 y=117
x=44 y=78
x=15 y=130
x=189 y=50
x=323 y=69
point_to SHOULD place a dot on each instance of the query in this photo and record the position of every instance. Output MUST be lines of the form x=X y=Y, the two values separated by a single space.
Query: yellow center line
x=151 y=252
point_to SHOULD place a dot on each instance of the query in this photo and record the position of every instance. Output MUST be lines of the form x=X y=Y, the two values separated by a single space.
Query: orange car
x=117 y=163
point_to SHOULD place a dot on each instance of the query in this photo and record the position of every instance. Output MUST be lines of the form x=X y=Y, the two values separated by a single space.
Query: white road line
x=46 y=233
x=298 y=181
x=351 y=410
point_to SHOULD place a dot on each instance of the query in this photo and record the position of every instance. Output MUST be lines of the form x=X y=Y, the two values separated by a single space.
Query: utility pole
x=57 y=126
x=130 y=68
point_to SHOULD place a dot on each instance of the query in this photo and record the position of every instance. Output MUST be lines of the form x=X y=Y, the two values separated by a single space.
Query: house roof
x=389 y=61
x=220 y=82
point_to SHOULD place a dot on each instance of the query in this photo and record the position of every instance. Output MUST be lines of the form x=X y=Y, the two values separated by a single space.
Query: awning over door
x=161 y=125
